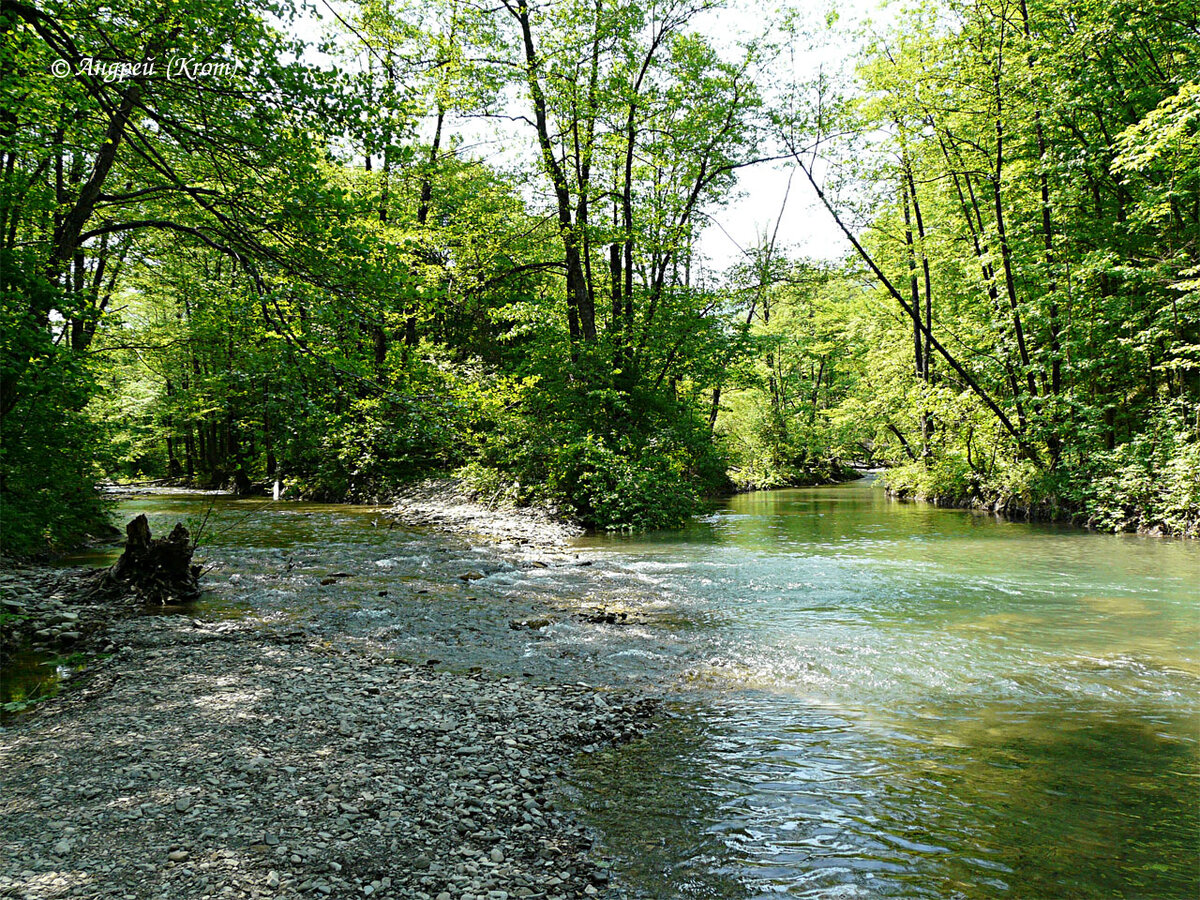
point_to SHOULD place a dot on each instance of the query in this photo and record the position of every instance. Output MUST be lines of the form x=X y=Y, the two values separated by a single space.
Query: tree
x=119 y=120
x=992 y=127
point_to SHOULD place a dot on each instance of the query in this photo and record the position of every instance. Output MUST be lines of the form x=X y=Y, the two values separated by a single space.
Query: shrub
x=1151 y=483
x=627 y=488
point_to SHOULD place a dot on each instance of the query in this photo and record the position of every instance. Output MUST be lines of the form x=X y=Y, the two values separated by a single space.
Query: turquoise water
x=903 y=701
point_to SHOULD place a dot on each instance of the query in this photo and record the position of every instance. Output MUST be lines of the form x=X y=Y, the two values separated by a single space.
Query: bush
x=48 y=497
x=621 y=461
x=946 y=478
x=377 y=444
x=628 y=488
x=1151 y=483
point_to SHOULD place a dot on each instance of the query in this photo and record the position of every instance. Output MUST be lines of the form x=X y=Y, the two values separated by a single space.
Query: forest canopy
x=231 y=255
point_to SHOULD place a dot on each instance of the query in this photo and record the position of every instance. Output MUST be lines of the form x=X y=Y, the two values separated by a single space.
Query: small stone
x=62 y=847
x=421 y=862
x=270 y=840
x=183 y=804
x=177 y=855
x=272 y=879
x=497 y=855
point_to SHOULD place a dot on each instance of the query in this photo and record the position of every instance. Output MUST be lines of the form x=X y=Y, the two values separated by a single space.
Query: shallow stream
x=868 y=699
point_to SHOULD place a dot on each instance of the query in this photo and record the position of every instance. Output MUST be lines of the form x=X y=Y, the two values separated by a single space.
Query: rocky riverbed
x=250 y=759
x=447 y=504
x=54 y=609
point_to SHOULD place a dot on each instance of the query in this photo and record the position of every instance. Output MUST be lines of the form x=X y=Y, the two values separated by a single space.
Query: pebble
x=482 y=820
x=51 y=607
x=302 y=757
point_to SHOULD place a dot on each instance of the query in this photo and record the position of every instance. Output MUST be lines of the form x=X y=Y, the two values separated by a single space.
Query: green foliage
x=783 y=418
x=1151 y=483
x=48 y=499
x=1045 y=237
x=949 y=477
x=613 y=461
x=375 y=445
x=92 y=164
x=624 y=487
x=320 y=283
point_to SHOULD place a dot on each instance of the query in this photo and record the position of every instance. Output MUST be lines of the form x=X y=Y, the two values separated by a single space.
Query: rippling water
x=870 y=699
x=912 y=702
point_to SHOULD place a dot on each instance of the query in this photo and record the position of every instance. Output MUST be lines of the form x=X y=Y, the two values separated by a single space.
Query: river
x=867 y=698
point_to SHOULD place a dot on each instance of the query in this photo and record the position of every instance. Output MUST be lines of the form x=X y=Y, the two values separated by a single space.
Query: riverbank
x=449 y=504
x=250 y=757
x=1056 y=511
x=52 y=609
x=235 y=759
x=833 y=473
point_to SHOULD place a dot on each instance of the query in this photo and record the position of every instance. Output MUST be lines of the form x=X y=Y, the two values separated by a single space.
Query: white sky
x=805 y=228
x=769 y=190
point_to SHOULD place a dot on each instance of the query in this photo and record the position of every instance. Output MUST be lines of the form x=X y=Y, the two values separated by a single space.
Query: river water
x=867 y=698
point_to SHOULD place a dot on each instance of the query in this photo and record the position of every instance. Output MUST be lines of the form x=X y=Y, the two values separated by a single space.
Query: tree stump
x=154 y=570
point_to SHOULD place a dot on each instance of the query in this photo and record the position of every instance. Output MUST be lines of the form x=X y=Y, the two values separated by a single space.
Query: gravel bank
x=239 y=759
x=52 y=608
x=447 y=504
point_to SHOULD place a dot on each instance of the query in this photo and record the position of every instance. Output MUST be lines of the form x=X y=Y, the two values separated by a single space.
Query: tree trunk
x=155 y=571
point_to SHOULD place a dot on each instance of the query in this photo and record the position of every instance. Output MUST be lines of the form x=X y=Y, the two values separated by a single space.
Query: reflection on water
x=873 y=699
x=657 y=799
x=31 y=676
x=914 y=702
x=815 y=804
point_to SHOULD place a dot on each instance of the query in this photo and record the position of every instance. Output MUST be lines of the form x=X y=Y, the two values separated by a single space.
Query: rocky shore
x=54 y=609
x=252 y=759
x=447 y=504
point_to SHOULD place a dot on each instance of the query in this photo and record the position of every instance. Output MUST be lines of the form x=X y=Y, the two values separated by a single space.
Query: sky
x=774 y=196
x=767 y=194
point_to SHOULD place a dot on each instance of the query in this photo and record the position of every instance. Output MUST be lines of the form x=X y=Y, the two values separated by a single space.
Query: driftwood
x=154 y=570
